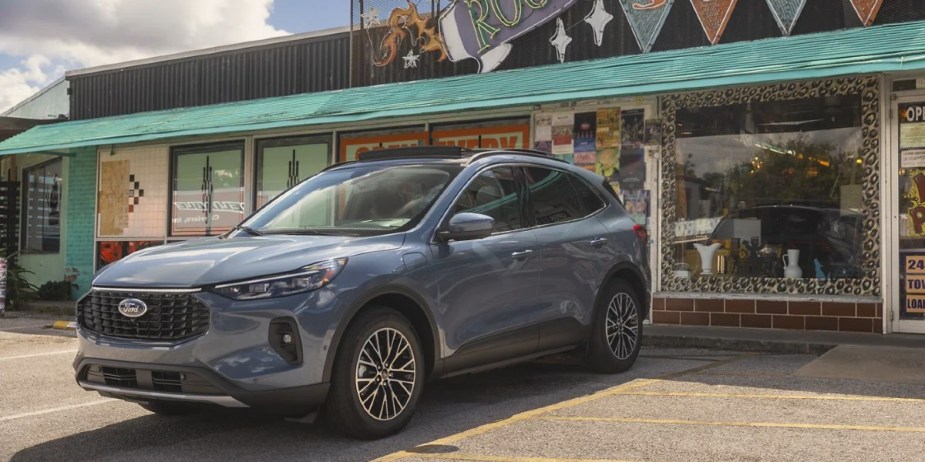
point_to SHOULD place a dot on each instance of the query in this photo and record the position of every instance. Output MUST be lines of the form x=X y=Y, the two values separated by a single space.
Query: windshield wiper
x=248 y=230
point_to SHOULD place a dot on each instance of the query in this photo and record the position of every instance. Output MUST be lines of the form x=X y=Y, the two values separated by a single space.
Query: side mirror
x=467 y=226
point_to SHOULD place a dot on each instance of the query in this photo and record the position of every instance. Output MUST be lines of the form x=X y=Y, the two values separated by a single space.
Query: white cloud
x=74 y=34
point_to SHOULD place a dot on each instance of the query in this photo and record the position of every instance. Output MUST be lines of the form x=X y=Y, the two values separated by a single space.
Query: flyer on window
x=585 y=152
x=542 y=133
x=563 y=124
x=608 y=128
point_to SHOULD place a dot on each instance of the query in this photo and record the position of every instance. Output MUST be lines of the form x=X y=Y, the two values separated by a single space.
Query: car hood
x=202 y=262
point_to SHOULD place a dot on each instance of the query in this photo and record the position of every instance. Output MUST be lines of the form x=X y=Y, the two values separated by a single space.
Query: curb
x=758 y=346
x=64 y=325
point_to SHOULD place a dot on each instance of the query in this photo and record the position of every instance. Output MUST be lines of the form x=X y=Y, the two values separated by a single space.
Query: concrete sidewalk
x=769 y=340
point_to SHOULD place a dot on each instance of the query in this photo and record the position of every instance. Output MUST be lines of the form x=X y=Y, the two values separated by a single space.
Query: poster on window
x=563 y=125
x=912 y=289
x=636 y=202
x=542 y=133
x=584 y=139
x=112 y=251
x=608 y=128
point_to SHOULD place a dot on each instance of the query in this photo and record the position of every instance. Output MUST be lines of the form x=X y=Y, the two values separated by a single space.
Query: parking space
x=675 y=404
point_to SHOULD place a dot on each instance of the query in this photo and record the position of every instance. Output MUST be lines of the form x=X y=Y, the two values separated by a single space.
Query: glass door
x=906 y=255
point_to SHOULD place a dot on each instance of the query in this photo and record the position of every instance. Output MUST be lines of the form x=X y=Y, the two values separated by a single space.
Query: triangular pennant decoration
x=786 y=13
x=646 y=18
x=713 y=16
x=867 y=10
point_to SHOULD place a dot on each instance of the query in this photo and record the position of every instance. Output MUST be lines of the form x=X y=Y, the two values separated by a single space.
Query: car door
x=486 y=287
x=573 y=250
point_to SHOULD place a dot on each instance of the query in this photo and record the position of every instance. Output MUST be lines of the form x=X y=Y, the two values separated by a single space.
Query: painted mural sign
x=867 y=10
x=482 y=29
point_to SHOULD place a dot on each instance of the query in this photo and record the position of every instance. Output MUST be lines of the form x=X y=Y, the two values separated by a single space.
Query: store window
x=283 y=163
x=772 y=189
x=42 y=207
x=207 y=189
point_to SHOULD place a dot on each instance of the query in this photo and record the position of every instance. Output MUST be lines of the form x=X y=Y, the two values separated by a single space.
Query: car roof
x=451 y=154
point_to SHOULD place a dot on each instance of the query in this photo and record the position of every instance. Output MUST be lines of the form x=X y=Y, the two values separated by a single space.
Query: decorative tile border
x=869 y=284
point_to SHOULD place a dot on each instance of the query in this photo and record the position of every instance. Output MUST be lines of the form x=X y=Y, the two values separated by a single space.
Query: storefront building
x=779 y=178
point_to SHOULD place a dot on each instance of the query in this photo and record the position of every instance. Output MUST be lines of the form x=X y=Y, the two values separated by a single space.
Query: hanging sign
x=786 y=13
x=500 y=137
x=482 y=29
x=646 y=18
x=867 y=10
x=350 y=148
x=713 y=16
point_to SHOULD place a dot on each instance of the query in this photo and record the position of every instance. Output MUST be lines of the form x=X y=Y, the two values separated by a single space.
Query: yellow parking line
x=710 y=423
x=521 y=416
x=772 y=396
x=484 y=458
x=619 y=389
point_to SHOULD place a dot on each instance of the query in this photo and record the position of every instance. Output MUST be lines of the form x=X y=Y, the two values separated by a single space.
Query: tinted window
x=590 y=201
x=553 y=197
x=493 y=193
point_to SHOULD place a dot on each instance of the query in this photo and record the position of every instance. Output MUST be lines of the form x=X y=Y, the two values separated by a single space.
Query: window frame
x=175 y=152
x=262 y=143
x=526 y=219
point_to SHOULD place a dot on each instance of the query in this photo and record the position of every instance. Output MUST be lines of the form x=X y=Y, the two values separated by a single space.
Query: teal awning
x=888 y=48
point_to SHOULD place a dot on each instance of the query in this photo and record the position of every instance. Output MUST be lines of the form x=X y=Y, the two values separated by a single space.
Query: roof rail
x=527 y=152
x=449 y=152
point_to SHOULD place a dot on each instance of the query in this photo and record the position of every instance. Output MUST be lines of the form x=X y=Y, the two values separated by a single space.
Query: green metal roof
x=894 y=47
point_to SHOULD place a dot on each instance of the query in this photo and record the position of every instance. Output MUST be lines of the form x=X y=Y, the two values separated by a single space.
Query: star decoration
x=598 y=19
x=560 y=40
x=371 y=17
x=411 y=59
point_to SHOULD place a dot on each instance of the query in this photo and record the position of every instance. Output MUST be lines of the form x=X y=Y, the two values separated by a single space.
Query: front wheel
x=378 y=376
x=617 y=332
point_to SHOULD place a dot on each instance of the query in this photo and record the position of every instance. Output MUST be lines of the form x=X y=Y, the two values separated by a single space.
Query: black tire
x=619 y=308
x=167 y=407
x=350 y=395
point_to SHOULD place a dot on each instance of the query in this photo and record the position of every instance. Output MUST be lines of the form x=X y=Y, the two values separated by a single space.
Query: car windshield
x=359 y=201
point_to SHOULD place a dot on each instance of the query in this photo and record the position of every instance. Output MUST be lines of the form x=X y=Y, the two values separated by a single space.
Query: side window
x=493 y=193
x=590 y=201
x=554 y=199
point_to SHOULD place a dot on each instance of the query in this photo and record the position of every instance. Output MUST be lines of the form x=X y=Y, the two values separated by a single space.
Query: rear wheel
x=377 y=377
x=617 y=332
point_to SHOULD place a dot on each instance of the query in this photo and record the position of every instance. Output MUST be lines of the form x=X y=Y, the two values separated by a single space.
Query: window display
x=772 y=187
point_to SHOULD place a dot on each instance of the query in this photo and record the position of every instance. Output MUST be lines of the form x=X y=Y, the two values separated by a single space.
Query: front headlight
x=311 y=277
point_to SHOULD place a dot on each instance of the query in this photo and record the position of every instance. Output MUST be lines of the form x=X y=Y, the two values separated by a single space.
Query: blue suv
x=350 y=290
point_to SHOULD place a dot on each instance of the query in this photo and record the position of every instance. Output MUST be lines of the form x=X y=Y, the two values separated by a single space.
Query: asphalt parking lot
x=675 y=404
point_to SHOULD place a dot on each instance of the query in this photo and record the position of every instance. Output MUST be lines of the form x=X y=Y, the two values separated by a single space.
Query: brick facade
x=770 y=314
x=81 y=216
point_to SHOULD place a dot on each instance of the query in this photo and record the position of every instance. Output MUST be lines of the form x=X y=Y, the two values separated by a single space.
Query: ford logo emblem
x=132 y=307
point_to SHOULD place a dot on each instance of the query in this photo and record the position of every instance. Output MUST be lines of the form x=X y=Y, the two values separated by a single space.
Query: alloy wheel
x=385 y=374
x=622 y=327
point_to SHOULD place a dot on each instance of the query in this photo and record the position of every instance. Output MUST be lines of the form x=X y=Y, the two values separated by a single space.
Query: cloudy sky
x=41 y=39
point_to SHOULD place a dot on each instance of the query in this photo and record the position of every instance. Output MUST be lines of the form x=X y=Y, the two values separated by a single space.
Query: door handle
x=598 y=241
x=521 y=254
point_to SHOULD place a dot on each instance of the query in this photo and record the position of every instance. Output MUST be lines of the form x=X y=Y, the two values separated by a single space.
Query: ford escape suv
x=350 y=290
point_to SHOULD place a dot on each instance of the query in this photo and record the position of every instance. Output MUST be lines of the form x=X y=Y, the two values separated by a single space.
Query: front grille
x=170 y=316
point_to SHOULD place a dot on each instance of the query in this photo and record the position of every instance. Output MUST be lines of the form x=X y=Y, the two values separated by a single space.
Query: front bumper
x=146 y=382
x=232 y=364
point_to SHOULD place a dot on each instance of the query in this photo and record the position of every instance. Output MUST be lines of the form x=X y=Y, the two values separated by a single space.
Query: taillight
x=641 y=233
